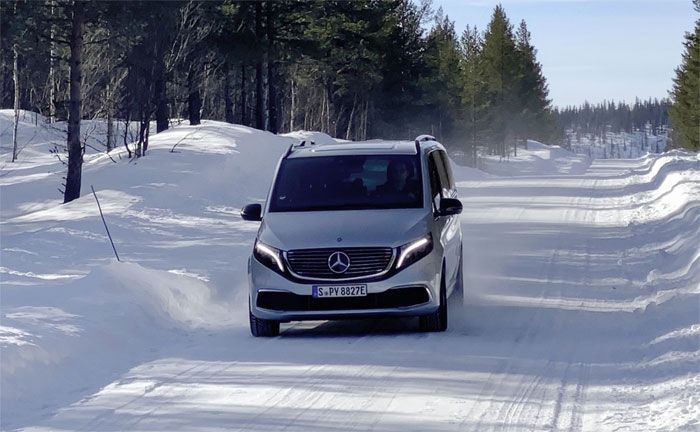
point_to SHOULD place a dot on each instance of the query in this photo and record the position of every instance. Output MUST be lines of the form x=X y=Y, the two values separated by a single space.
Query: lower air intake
x=393 y=298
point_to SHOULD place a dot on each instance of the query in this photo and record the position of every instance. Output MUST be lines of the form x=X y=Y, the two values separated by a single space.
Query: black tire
x=457 y=296
x=263 y=328
x=436 y=321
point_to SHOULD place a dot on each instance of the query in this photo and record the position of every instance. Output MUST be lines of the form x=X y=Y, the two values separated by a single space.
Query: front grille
x=392 y=298
x=364 y=262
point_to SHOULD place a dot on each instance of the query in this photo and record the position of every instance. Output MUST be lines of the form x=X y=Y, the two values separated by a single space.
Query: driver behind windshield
x=397 y=180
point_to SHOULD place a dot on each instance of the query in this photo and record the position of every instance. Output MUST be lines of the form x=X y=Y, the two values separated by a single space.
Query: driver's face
x=398 y=173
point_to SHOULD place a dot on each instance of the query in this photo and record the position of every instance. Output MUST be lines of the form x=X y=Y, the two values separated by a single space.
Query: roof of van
x=357 y=147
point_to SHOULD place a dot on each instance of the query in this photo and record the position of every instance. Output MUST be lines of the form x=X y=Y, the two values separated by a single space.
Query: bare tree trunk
x=109 y=108
x=306 y=119
x=292 y=111
x=364 y=121
x=259 y=97
x=147 y=124
x=194 y=100
x=144 y=131
x=127 y=121
x=259 y=89
x=52 y=66
x=323 y=113
x=328 y=114
x=139 y=143
x=162 y=116
x=473 y=115
x=75 y=150
x=360 y=134
x=338 y=116
x=271 y=78
x=110 y=128
x=272 y=98
x=15 y=77
x=243 y=105
x=228 y=102
x=350 y=118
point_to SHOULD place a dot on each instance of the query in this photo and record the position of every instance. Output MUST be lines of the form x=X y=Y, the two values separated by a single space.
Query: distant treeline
x=680 y=113
x=617 y=117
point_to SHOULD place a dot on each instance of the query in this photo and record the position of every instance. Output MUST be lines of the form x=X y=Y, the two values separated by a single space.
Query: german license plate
x=328 y=291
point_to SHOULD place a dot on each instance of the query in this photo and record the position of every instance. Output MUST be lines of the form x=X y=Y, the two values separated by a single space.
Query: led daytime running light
x=406 y=252
x=271 y=253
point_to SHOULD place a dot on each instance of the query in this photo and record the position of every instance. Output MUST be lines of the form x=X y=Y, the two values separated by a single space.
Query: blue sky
x=595 y=49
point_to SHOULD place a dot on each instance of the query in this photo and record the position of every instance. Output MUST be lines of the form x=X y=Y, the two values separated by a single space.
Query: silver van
x=351 y=230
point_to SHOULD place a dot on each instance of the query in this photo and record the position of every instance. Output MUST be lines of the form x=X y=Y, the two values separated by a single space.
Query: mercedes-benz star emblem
x=339 y=262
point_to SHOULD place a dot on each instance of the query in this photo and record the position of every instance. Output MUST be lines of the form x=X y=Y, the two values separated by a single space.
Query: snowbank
x=618 y=145
x=179 y=202
x=537 y=159
x=317 y=137
x=36 y=136
x=107 y=321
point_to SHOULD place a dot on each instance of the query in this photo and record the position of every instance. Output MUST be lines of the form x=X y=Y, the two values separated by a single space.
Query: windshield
x=348 y=182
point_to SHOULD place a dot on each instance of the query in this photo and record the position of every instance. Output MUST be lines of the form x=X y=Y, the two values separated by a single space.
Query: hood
x=322 y=229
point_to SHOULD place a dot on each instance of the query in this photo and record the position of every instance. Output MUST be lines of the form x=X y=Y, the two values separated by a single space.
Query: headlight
x=268 y=256
x=413 y=251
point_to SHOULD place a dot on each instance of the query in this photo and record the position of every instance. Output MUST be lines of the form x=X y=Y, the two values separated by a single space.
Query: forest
x=356 y=70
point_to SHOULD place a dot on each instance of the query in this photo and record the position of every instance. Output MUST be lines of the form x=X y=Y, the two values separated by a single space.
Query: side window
x=433 y=172
x=442 y=173
x=448 y=170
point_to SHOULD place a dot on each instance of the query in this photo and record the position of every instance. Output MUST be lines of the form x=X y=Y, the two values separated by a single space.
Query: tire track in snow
x=307 y=390
x=579 y=398
x=561 y=394
x=189 y=374
x=513 y=412
x=496 y=379
x=212 y=370
x=101 y=421
x=502 y=375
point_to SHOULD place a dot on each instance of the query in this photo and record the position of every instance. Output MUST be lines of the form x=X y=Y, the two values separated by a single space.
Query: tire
x=263 y=328
x=457 y=296
x=436 y=321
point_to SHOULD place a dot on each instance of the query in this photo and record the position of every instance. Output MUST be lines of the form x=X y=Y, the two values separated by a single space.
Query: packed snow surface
x=582 y=309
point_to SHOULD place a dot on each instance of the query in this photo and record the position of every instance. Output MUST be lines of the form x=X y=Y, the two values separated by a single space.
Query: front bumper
x=384 y=296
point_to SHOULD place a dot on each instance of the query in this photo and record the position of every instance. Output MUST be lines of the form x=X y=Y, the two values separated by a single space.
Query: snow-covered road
x=582 y=312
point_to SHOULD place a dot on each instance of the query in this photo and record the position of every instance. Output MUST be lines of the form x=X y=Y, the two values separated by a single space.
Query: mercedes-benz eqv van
x=349 y=230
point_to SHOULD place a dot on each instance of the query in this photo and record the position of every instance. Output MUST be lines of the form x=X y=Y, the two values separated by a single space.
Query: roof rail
x=300 y=144
x=423 y=138
x=289 y=151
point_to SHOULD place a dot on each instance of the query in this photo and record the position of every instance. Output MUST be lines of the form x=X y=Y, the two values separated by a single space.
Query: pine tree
x=534 y=119
x=442 y=84
x=500 y=72
x=473 y=105
x=400 y=107
x=685 y=111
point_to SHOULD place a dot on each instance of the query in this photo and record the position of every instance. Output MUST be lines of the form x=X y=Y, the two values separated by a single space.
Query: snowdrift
x=537 y=159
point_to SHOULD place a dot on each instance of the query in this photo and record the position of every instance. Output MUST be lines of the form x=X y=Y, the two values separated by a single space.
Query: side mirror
x=449 y=207
x=252 y=212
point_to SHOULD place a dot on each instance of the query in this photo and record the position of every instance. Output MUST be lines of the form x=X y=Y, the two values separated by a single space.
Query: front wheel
x=263 y=328
x=436 y=321
x=457 y=297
